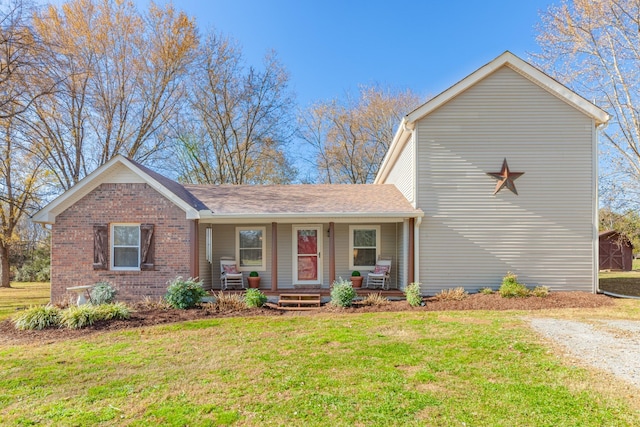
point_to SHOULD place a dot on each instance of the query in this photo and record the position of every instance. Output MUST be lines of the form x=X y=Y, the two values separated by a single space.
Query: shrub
x=486 y=291
x=254 y=298
x=102 y=293
x=355 y=273
x=230 y=302
x=375 y=300
x=254 y=274
x=115 y=311
x=540 y=291
x=37 y=318
x=457 y=294
x=76 y=317
x=412 y=293
x=37 y=267
x=184 y=294
x=342 y=293
x=511 y=288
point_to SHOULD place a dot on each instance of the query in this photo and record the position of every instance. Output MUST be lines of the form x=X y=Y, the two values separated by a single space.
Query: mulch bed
x=141 y=317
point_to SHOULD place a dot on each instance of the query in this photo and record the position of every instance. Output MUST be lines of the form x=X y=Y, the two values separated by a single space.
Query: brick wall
x=72 y=241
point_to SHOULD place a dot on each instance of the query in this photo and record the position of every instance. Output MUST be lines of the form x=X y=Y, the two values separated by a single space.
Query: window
x=250 y=248
x=364 y=245
x=125 y=246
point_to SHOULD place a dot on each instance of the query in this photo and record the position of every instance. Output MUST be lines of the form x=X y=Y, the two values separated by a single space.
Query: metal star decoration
x=505 y=178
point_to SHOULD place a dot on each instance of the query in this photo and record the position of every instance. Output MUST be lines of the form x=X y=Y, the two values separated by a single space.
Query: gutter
x=206 y=214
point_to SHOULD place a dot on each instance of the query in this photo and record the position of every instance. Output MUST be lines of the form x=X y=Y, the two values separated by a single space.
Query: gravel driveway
x=611 y=345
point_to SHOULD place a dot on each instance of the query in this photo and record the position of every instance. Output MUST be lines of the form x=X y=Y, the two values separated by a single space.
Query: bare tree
x=20 y=181
x=350 y=137
x=20 y=170
x=239 y=120
x=123 y=80
x=593 y=46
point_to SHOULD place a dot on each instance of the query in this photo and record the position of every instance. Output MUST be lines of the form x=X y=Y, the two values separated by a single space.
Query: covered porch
x=304 y=237
x=308 y=257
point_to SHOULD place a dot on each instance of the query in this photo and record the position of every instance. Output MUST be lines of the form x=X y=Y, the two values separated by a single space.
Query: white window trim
x=111 y=246
x=378 y=247
x=263 y=266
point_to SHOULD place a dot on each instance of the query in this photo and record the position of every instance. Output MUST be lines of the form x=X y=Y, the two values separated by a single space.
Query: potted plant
x=356 y=279
x=254 y=279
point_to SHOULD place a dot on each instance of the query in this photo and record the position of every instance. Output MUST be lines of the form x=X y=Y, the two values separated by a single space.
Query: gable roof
x=507 y=59
x=168 y=188
x=303 y=201
x=244 y=201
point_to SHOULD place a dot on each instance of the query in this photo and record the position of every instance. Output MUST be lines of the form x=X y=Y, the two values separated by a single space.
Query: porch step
x=299 y=302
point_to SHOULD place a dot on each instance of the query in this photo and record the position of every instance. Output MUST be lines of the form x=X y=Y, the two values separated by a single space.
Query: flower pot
x=254 y=282
x=356 y=281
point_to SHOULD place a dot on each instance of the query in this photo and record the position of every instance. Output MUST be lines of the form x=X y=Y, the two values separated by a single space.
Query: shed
x=616 y=251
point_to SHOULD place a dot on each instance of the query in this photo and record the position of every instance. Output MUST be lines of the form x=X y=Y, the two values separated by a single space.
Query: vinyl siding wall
x=224 y=245
x=402 y=174
x=471 y=238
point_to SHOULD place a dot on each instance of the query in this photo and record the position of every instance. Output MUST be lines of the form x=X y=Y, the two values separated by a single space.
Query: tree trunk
x=4 y=266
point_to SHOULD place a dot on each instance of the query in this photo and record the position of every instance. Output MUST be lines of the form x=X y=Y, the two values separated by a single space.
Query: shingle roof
x=323 y=199
x=171 y=185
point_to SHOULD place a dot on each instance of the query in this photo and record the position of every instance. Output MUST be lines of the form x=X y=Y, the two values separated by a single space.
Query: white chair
x=380 y=275
x=229 y=274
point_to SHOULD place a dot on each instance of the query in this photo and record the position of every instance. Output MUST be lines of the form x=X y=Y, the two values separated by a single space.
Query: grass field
x=22 y=294
x=622 y=282
x=411 y=368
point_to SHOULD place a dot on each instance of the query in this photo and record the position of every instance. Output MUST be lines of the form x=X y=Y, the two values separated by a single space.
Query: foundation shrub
x=540 y=291
x=511 y=288
x=103 y=293
x=376 y=300
x=455 y=294
x=412 y=293
x=487 y=291
x=254 y=298
x=342 y=293
x=184 y=294
x=37 y=318
x=114 y=311
x=77 y=317
x=229 y=302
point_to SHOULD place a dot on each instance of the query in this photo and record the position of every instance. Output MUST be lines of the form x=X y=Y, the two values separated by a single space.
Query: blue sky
x=332 y=46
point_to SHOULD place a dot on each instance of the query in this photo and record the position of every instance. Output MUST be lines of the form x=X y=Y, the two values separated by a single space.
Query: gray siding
x=224 y=245
x=471 y=238
x=402 y=173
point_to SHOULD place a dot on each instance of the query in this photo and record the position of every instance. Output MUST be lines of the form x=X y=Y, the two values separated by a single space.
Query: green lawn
x=22 y=294
x=622 y=282
x=411 y=368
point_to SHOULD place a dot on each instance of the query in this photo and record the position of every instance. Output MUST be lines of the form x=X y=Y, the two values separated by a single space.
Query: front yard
x=410 y=368
x=389 y=368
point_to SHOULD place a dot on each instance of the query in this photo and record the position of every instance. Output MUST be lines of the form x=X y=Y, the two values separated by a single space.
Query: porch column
x=410 y=275
x=332 y=254
x=195 y=247
x=274 y=256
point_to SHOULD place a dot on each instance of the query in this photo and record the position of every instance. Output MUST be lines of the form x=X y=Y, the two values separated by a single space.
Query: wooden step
x=299 y=301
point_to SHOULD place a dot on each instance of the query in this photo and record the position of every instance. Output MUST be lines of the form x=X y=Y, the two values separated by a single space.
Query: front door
x=307 y=253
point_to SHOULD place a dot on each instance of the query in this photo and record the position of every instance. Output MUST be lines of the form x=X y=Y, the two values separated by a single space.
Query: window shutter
x=100 y=246
x=147 y=247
